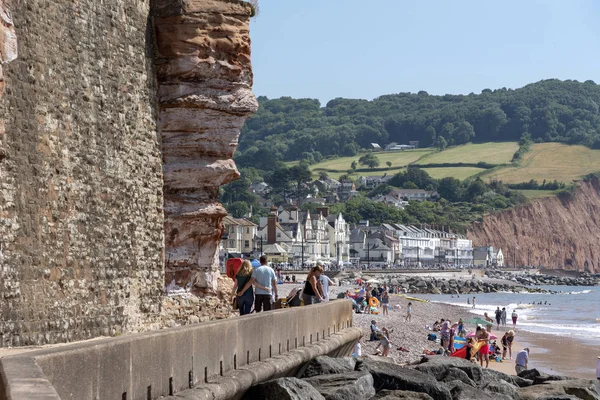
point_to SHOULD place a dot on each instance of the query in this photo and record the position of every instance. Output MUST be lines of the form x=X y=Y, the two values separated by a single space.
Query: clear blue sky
x=362 y=49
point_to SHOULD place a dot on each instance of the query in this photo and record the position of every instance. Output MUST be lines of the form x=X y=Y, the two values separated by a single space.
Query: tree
x=389 y=164
x=475 y=189
x=440 y=143
x=464 y=133
x=354 y=165
x=300 y=174
x=370 y=160
x=450 y=189
x=239 y=209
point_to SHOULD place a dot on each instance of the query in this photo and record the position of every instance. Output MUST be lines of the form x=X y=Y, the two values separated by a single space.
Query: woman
x=514 y=318
x=385 y=302
x=504 y=342
x=242 y=277
x=313 y=291
x=510 y=337
x=483 y=336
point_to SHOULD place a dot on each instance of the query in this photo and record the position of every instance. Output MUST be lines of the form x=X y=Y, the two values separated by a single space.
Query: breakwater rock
x=438 y=377
x=548 y=280
x=433 y=285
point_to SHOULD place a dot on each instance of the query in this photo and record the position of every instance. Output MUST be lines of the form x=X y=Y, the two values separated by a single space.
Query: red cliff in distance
x=558 y=233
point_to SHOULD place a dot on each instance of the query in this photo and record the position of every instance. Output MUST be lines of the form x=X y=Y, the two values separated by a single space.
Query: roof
x=375 y=145
x=245 y=222
x=273 y=249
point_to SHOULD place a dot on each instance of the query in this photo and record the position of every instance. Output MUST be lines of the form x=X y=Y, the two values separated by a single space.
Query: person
x=436 y=326
x=468 y=300
x=246 y=299
x=312 y=287
x=451 y=342
x=498 y=317
x=266 y=281
x=408 y=313
x=325 y=282
x=470 y=344
x=514 y=318
x=488 y=319
x=483 y=336
x=510 y=337
x=384 y=342
x=385 y=303
x=504 y=342
x=503 y=316
x=461 y=327
x=598 y=369
x=473 y=301
x=374 y=330
x=445 y=331
x=522 y=360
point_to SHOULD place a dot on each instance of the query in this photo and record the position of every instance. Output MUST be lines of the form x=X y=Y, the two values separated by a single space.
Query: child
x=409 y=313
x=470 y=343
x=385 y=302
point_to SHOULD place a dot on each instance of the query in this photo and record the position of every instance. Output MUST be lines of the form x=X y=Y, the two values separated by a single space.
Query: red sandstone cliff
x=558 y=232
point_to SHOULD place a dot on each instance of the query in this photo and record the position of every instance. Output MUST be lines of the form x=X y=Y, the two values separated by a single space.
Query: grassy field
x=398 y=159
x=536 y=194
x=491 y=153
x=550 y=161
x=461 y=173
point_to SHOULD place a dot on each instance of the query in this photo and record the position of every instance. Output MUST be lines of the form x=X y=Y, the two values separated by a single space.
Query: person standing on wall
x=265 y=277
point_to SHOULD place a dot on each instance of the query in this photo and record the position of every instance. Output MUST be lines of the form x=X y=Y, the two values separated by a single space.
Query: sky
x=363 y=49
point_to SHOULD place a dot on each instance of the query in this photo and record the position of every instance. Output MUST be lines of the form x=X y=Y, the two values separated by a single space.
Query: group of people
x=257 y=286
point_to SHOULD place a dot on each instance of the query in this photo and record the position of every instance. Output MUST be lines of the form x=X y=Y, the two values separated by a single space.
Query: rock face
x=204 y=92
x=558 y=232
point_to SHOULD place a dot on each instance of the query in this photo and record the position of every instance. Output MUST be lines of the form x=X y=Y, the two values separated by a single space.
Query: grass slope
x=491 y=153
x=550 y=161
x=460 y=173
x=398 y=159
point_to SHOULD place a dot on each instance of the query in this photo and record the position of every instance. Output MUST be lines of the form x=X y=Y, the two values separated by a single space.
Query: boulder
x=579 y=388
x=348 y=386
x=455 y=374
x=394 y=377
x=324 y=365
x=501 y=387
x=529 y=374
x=489 y=375
x=438 y=366
x=284 y=389
x=462 y=391
x=401 y=395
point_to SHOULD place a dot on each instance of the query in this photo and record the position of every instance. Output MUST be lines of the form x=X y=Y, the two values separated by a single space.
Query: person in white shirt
x=522 y=360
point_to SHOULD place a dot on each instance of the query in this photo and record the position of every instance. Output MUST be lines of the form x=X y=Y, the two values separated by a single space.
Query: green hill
x=288 y=129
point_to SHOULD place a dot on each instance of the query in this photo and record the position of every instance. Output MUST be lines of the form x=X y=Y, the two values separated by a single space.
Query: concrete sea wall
x=219 y=359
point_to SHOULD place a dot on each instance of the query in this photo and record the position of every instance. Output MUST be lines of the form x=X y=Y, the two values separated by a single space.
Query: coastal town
x=294 y=239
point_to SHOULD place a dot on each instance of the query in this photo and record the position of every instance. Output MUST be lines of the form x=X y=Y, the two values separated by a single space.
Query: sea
x=573 y=312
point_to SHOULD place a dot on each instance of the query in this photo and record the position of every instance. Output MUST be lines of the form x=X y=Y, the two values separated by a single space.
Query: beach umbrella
x=492 y=336
x=478 y=321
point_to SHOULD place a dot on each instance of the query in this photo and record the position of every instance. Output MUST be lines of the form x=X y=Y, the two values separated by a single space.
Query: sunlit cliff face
x=8 y=41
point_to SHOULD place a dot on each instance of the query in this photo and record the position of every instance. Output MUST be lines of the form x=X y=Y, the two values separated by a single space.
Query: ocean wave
x=581 y=292
x=561 y=328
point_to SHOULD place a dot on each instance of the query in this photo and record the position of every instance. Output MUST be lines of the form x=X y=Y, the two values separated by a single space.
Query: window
x=246 y=243
x=247 y=231
x=232 y=243
x=278 y=235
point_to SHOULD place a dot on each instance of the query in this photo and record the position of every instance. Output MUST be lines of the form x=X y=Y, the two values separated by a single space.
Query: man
x=498 y=317
x=265 y=276
x=325 y=282
x=522 y=360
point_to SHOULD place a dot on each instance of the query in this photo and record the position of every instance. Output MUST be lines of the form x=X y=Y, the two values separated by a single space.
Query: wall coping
x=225 y=356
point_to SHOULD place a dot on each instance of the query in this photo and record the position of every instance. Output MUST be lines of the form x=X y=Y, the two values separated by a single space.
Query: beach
x=551 y=354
